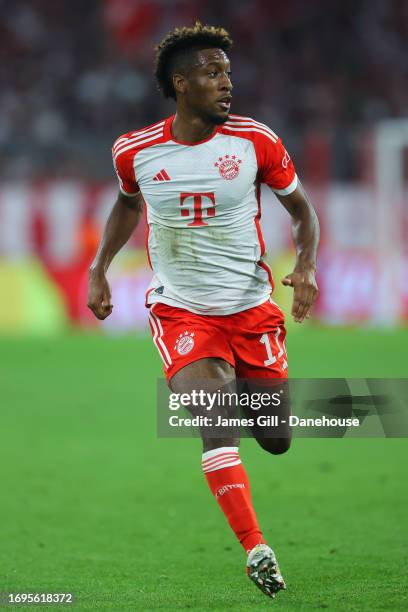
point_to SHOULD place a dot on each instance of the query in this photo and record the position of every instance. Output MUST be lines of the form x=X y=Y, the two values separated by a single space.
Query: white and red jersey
x=204 y=239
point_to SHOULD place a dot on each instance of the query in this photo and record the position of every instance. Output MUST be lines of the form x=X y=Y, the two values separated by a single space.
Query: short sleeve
x=123 y=165
x=275 y=166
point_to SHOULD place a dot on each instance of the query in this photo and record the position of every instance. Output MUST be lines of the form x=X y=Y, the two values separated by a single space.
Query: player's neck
x=190 y=128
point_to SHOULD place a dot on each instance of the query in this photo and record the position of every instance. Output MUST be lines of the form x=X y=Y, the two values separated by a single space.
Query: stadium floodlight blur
x=73 y=79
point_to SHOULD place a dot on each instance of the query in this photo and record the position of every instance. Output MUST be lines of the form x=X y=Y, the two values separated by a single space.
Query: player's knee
x=275 y=446
x=213 y=443
x=282 y=446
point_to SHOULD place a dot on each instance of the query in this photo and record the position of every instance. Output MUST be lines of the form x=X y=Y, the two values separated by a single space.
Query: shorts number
x=271 y=357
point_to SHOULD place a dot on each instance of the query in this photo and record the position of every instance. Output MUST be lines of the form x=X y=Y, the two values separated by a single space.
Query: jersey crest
x=228 y=166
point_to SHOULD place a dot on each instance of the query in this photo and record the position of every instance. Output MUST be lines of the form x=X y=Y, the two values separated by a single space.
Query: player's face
x=208 y=86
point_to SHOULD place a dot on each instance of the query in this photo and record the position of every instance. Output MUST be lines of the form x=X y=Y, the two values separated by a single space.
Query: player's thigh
x=213 y=381
x=259 y=347
x=210 y=378
x=259 y=343
x=182 y=338
x=210 y=369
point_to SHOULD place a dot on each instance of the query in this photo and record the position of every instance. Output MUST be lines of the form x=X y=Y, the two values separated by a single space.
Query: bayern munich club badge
x=228 y=166
x=184 y=343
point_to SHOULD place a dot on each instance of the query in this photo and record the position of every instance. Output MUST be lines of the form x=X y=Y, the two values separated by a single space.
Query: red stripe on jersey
x=258 y=217
x=148 y=292
x=246 y=124
x=247 y=120
x=261 y=263
x=135 y=142
x=143 y=134
x=147 y=237
x=126 y=137
x=267 y=269
x=166 y=176
x=148 y=139
x=251 y=128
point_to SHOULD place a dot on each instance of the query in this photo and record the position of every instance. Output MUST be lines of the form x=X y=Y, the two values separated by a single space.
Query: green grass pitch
x=92 y=502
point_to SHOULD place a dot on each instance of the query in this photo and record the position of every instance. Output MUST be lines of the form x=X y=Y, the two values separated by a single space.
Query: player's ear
x=179 y=83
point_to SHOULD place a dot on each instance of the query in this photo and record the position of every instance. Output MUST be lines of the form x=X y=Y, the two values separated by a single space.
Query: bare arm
x=122 y=221
x=305 y=233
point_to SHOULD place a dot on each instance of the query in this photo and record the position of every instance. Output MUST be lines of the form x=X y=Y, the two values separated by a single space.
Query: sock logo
x=228 y=487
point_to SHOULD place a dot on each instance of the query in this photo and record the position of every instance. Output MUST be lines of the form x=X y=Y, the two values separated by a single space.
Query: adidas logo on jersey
x=162 y=176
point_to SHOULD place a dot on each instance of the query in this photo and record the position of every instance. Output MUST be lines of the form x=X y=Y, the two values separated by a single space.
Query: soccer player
x=197 y=175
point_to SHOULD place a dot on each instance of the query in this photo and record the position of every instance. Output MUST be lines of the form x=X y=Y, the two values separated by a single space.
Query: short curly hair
x=174 y=48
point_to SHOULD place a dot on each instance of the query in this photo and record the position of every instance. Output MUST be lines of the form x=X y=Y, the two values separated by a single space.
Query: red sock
x=228 y=481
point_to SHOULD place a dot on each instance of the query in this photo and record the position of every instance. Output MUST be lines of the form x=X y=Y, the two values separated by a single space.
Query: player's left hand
x=305 y=292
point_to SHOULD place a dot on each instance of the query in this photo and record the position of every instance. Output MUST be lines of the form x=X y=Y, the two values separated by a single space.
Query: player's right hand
x=99 y=295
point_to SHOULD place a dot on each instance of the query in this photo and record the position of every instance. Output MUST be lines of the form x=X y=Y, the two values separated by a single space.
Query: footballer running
x=197 y=176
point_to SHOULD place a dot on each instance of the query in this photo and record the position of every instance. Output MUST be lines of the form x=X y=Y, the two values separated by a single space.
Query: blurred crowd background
x=74 y=75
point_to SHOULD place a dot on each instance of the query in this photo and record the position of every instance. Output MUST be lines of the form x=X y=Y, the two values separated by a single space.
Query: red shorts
x=252 y=341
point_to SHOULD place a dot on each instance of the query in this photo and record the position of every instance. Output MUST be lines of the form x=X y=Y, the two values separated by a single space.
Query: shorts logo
x=184 y=343
x=228 y=166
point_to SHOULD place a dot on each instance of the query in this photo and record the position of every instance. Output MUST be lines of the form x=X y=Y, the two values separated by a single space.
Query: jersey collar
x=168 y=135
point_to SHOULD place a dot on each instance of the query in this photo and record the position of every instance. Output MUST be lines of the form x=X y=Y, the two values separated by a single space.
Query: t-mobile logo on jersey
x=199 y=200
